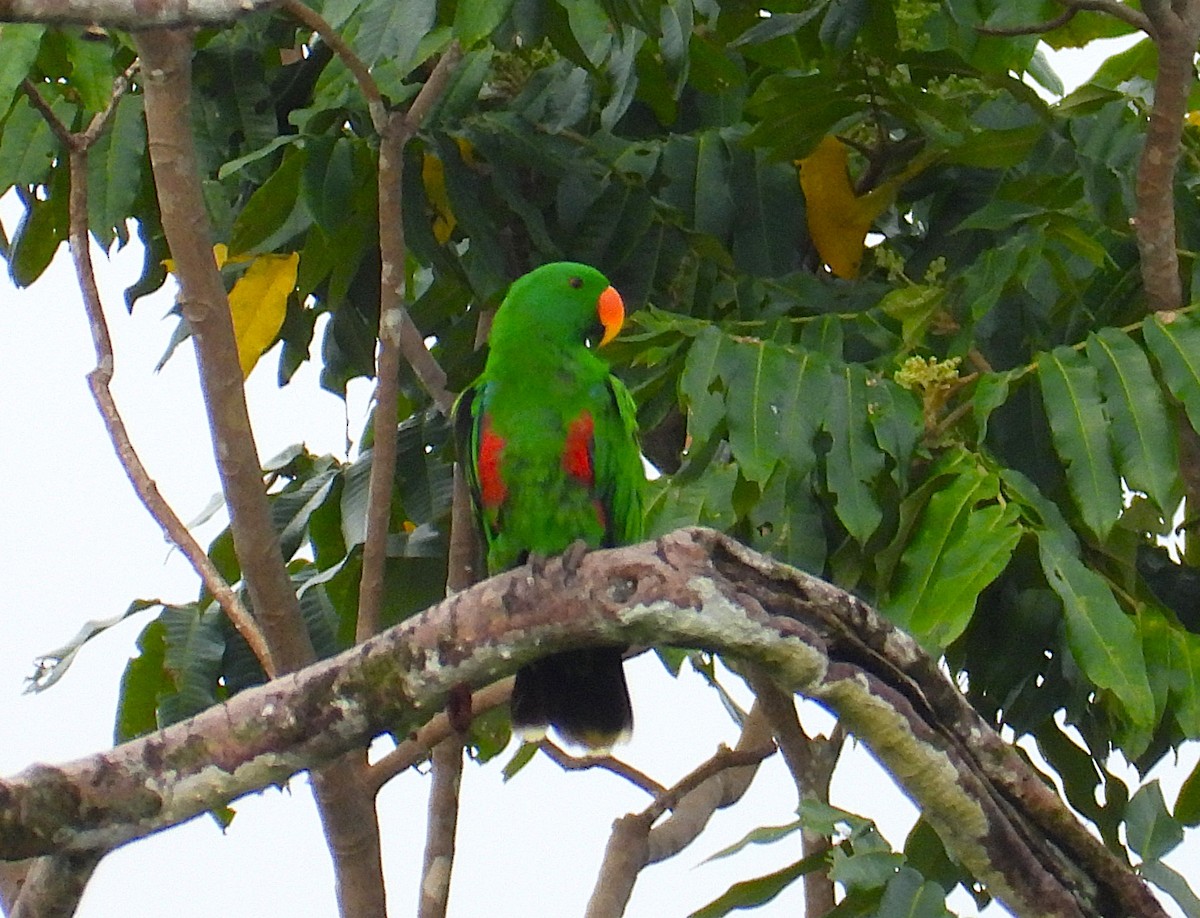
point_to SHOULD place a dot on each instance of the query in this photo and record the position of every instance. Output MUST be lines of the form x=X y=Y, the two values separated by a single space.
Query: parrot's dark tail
x=581 y=693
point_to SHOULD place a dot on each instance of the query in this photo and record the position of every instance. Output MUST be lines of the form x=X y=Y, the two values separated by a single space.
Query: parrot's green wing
x=620 y=474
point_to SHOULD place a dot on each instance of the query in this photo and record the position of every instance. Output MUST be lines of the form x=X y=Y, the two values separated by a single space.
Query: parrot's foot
x=572 y=558
x=537 y=563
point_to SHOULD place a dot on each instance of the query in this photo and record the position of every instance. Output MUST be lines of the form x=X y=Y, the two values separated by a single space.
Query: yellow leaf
x=433 y=175
x=258 y=303
x=838 y=219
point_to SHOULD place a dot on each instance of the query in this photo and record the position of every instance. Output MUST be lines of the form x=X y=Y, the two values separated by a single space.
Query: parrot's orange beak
x=611 y=309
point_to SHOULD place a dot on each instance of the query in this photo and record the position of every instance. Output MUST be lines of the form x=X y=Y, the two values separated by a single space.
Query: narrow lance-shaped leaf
x=1176 y=347
x=1079 y=428
x=1141 y=432
x=1103 y=639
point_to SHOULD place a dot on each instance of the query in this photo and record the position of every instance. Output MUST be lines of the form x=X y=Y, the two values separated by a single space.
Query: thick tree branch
x=166 y=67
x=694 y=588
x=55 y=885
x=1176 y=30
x=130 y=14
x=443 y=826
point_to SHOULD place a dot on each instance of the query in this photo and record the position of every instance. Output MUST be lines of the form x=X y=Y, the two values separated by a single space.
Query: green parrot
x=548 y=438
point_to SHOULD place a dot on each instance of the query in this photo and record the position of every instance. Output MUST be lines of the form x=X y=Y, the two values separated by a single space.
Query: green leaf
x=1173 y=884
x=843 y=22
x=234 y=166
x=761 y=890
x=763 y=835
x=1103 y=639
x=963 y=540
x=1176 y=348
x=391 y=31
x=1149 y=829
x=141 y=683
x=52 y=666
x=276 y=212
x=522 y=757
x=869 y=869
x=1187 y=804
x=195 y=650
x=770 y=406
x=474 y=20
x=19 y=44
x=1079 y=428
x=115 y=164
x=91 y=70
x=909 y=895
x=777 y=25
x=854 y=460
x=1141 y=432
x=27 y=145
x=328 y=182
x=38 y=236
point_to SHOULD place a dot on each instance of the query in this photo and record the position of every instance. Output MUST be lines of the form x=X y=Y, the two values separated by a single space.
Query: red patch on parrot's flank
x=492 y=489
x=601 y=516
x=577 y=451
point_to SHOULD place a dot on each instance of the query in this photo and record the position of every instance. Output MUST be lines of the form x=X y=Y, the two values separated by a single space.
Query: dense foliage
x=966 y=416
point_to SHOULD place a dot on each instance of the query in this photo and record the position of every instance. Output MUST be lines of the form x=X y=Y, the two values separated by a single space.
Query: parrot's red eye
x=576 y=282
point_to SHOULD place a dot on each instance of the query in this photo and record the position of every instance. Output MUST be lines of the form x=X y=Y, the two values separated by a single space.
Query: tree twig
x=339 y=46
x=811 y=761
x=419 y=746
x=569 y=762
x=100 y=378
x=636 y=842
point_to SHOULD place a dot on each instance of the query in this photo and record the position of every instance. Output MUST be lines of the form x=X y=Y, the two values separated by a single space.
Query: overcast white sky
x=77 y=545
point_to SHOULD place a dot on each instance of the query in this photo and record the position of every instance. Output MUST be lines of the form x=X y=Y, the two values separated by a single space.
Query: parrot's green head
x=563 y=303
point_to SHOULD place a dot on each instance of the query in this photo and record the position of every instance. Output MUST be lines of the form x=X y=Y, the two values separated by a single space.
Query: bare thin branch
x=1116 y=9
x=636 y=842
x=397 y=335
x=418 y=747
x=100 y=378
x=362 y=74
x=443 y=825
x=1035 y=28
x=569 y=762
